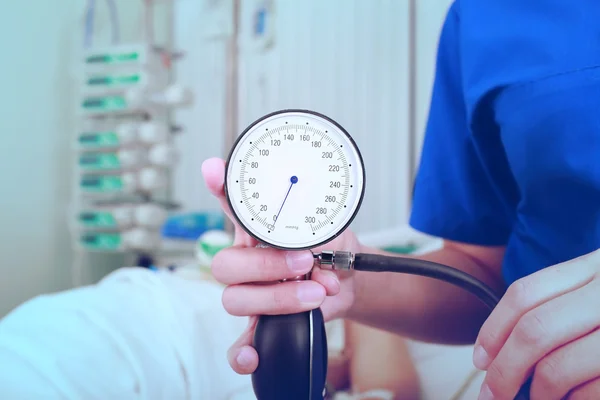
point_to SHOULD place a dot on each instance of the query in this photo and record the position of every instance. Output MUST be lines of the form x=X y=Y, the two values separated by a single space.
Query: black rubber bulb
x=287 y=368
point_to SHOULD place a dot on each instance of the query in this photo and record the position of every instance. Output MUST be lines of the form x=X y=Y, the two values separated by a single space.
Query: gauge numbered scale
x=295 y=179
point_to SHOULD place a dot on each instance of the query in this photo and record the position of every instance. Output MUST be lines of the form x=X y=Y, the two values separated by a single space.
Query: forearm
x=381 y=361
x=423 y=308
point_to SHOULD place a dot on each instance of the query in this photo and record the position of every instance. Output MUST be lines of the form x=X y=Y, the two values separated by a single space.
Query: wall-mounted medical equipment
x=105 y=218
x=120 y=217
x=123 y=159
x=136 y=55
x=136 y=100
x=139 y=240
x=142 y=182
x=125 y=154
x=114 y=137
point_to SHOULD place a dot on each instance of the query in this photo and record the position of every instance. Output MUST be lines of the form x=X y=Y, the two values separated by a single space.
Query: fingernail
x=244 y=358
x=310 y=293
x=299 y=261
x=485 y=393
x=481 y=359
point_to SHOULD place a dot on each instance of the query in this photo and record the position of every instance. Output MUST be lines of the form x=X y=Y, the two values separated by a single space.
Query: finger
x=236 y=265
x=587 y=391
x=526 y=294
x=567 y=368
x=329 y=280
x=275 y=299
x=213 y=171
x=539 y=332
x=242 y=357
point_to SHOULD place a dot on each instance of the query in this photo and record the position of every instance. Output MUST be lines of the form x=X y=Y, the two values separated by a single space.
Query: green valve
x=102 y=183
x=97 y=219
x=99 y=139
x=101 y=241
x=99 y=161
x=114 y=80
x=112 y=58
x=108 y=103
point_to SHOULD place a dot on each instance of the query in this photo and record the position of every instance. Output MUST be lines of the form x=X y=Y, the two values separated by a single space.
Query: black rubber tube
x=441 y=272
x=415 y=266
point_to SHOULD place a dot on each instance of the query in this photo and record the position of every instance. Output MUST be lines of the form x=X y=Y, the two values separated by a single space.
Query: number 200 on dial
x=294 y=179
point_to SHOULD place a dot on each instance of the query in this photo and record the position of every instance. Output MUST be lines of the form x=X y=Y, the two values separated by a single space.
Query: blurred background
x=111 y=107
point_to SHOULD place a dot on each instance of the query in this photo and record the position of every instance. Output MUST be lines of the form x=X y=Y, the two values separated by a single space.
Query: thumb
x=242 y=357
x=213 y=171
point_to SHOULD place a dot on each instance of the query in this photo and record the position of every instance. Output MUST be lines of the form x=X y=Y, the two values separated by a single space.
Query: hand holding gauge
x=294 y=181
x=285 y=204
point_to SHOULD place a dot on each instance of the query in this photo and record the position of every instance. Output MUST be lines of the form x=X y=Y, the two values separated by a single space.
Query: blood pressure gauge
x=295 y=179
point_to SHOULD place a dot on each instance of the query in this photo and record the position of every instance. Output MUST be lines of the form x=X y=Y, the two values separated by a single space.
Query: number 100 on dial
x=295 y=179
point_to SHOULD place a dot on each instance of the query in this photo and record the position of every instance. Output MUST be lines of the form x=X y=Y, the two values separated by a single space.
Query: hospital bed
x=164 y=334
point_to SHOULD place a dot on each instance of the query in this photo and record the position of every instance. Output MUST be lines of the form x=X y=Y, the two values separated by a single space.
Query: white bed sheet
x=140 y=334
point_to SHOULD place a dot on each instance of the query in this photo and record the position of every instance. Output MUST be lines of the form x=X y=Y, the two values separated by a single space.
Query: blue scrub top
x=511 y=154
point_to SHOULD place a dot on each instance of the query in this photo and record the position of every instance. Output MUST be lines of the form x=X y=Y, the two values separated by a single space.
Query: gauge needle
x=293 y=180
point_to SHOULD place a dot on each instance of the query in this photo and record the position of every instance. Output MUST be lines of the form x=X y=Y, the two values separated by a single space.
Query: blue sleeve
x=454 y=196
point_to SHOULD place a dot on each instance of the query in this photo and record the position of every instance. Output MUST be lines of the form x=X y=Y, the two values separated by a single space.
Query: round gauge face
x=295 y=179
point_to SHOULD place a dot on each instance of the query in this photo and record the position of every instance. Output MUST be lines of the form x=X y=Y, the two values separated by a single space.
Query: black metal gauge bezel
x=238 y=220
